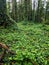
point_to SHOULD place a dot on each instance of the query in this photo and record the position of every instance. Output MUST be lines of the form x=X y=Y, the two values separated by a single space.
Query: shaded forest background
x=24 y=32
x=25 y=10
x=36 y=11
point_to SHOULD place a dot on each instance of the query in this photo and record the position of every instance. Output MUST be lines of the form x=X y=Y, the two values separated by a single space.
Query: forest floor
x=30 y=40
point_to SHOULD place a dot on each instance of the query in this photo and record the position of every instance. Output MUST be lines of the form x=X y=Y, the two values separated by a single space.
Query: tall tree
x=39 y=12
x=21 y=10
x=14 y=9
x=33 y=13
x=47 y=12
x=27 y=9
x=5 y=19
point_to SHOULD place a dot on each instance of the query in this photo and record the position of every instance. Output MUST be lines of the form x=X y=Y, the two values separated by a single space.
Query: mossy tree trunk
x=27 y=10
x=14 y=10
x=5 y=19
x=47 y=12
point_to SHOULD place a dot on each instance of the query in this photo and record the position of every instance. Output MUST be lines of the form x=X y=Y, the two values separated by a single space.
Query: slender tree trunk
x=14 y=9
x=34 y=11
x=27 y=9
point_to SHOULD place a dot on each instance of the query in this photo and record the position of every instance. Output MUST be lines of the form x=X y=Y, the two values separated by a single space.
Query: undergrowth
x=30 y=42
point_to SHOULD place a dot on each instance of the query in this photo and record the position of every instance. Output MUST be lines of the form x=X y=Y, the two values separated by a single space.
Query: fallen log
x=5 y=48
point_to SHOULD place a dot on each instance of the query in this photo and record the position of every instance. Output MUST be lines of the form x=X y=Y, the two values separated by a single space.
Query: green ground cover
x=30 y=42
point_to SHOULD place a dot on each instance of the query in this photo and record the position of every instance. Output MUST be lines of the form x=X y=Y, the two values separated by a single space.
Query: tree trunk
x=5 y=19
x=14 y=10
x=27 y=10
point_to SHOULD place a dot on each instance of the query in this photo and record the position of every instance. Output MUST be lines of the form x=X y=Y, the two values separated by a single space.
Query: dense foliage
x=30 y=42
x=24 y=29
x=2 y=10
